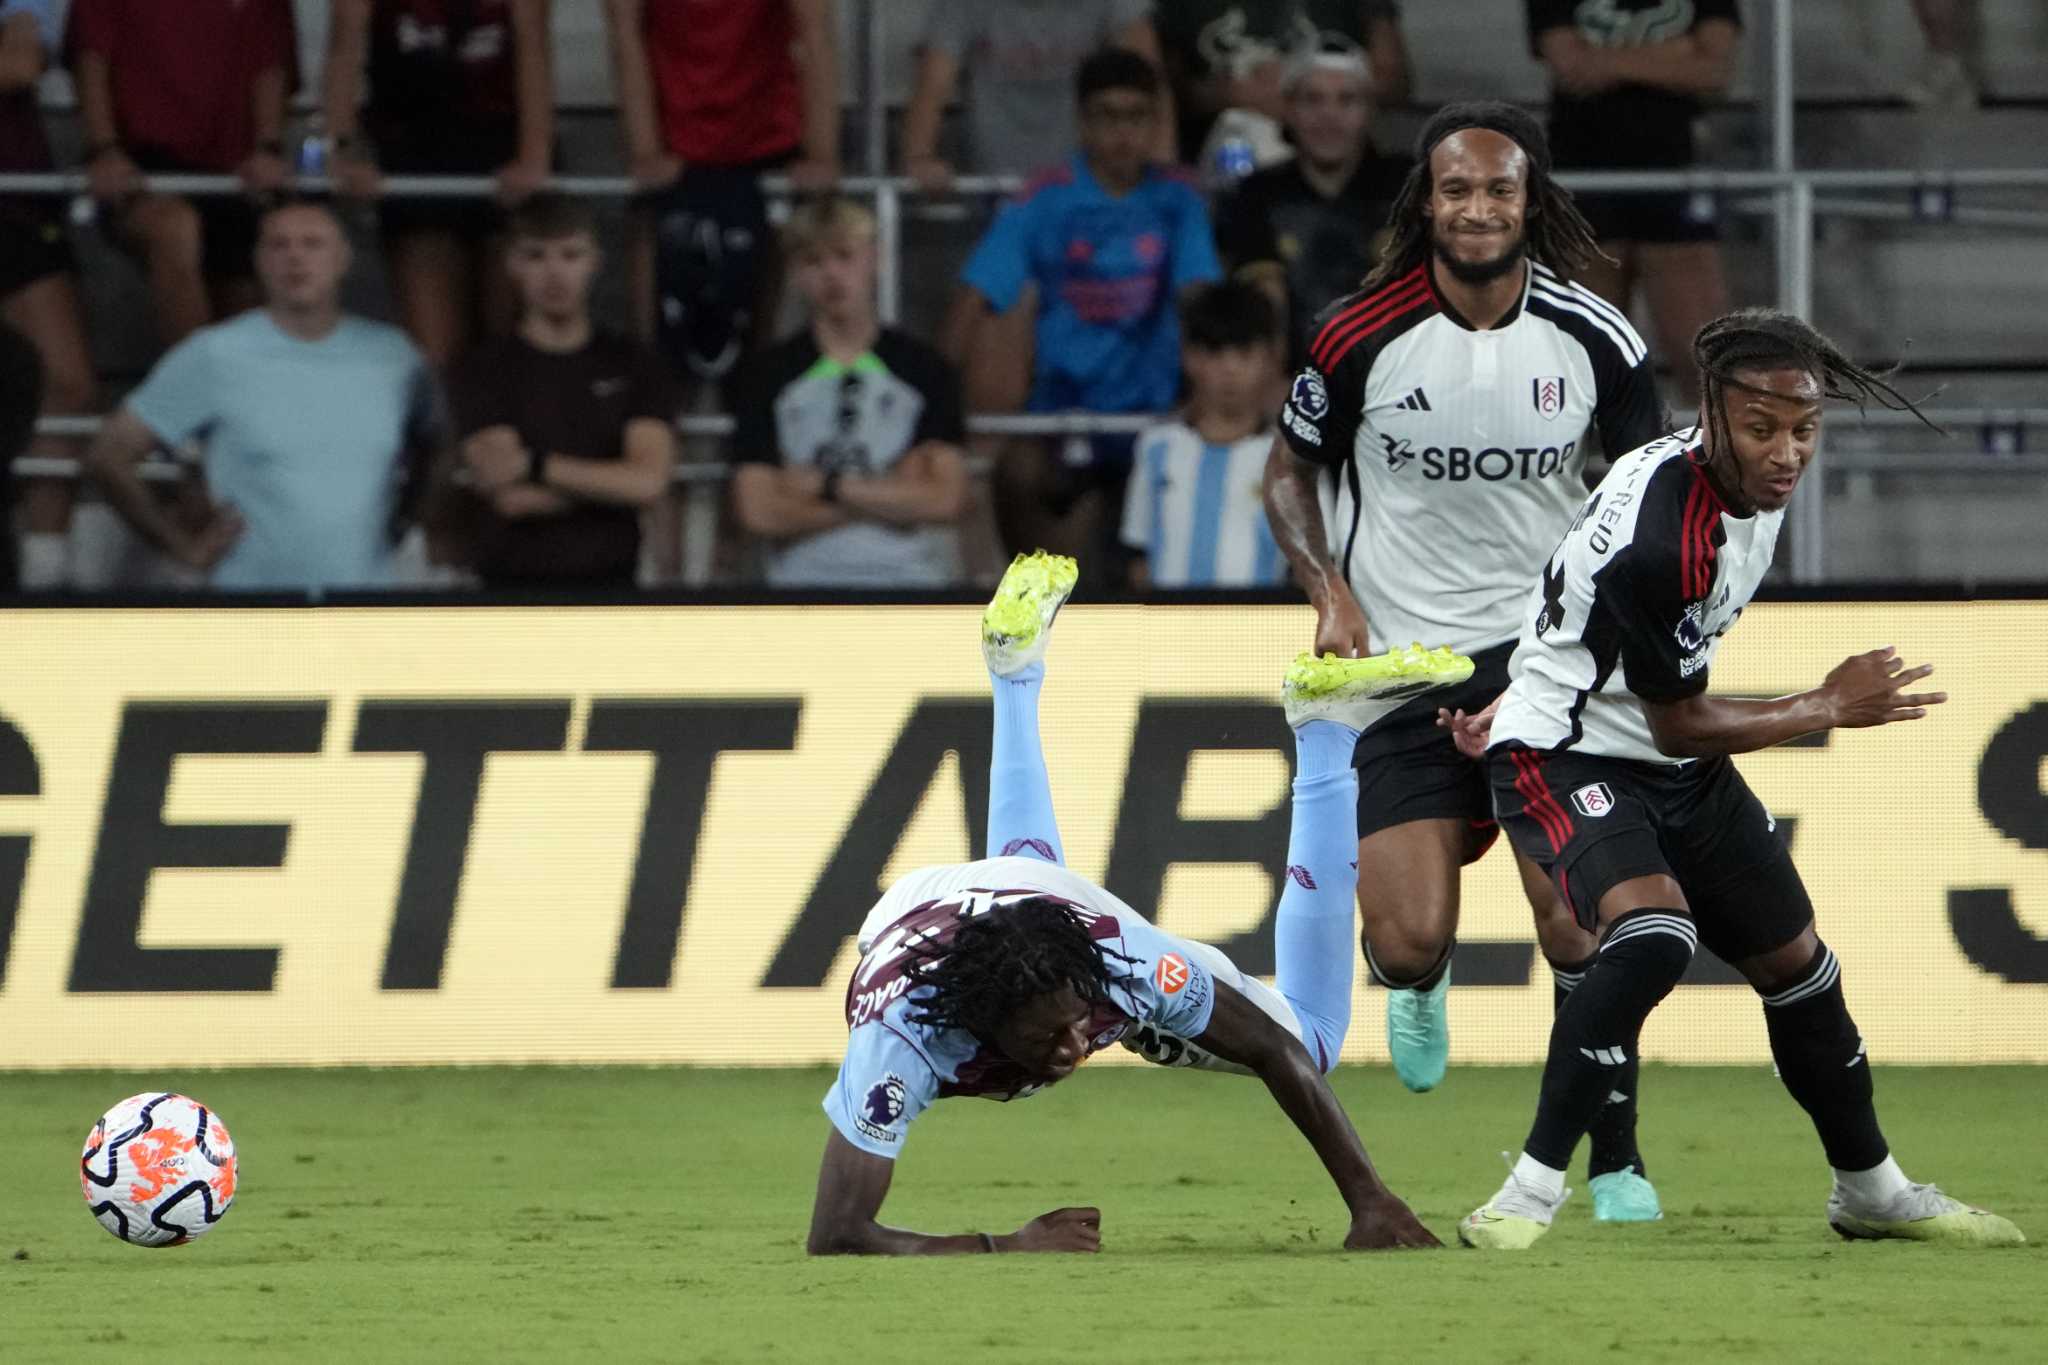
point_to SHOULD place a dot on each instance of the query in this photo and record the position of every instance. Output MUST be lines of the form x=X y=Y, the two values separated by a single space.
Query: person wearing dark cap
x=1452 y=395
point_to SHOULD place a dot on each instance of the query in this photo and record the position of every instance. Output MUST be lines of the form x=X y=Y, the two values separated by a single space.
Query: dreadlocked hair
x=1001 y=961
x=1558 y=234
x=1769 y=339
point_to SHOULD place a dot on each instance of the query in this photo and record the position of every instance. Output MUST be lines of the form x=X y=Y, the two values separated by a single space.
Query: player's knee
x=1656 y=944
x=1401 y=957
x=1783 y=968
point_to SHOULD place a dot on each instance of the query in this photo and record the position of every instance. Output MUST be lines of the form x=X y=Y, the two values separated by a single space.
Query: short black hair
x=1228 y=313
x=1558 y=234
x=1770 y=339
x=999 y=962
x=277 y=201
x=548 y=215
x=1113 y=68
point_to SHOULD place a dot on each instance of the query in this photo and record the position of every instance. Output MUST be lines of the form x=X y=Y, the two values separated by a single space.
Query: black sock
x=1426 y=982
x=1594 y=1037
x=1612 y=1136
x=1820 y=1059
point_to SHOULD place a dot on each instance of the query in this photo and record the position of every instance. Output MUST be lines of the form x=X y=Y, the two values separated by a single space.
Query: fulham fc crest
x=1548 y=392
x=1594 y=800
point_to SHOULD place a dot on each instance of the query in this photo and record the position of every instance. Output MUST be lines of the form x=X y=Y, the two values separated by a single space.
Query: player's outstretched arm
x=853 y=1183
x=1241 y=1032
x=1297 y=521
x=1861 y=691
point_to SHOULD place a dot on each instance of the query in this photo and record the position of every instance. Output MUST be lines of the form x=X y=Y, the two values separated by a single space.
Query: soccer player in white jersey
x=1452 y=398
x=997 y=978
x=1610 y=770
x=1192 y=514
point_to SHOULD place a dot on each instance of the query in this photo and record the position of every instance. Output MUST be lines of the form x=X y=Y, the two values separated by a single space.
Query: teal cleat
x=1419 y=1035
x=1624 y=1197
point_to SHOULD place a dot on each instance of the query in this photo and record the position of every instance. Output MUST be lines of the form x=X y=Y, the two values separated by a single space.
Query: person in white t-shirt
x=1453 y=396
x=1193 y=510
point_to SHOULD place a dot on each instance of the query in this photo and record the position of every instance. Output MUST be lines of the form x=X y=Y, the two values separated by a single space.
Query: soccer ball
x=158 y=1169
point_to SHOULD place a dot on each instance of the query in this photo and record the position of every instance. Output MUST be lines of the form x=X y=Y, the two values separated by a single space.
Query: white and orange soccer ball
x=158 y=1169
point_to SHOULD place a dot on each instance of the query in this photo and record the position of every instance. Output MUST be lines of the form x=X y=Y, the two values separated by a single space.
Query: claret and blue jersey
x=896 y=1067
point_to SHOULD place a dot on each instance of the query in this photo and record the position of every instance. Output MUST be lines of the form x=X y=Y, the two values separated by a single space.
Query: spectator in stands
x=1019 y=59
x=1308 y=230
x=38 y=292
x=566 y=431
x=21 y=398
x=1102 y=249
x=1627 y=86
x=197 y=87
x=313 y=421
x=1194 y=515
x=713 y=94
x=1235 y=54
x=457 y=87
x=849 y=434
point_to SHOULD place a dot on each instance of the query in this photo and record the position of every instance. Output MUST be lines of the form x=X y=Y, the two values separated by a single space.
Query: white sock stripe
x=1678 y=926
x=1567 y=980
x=1819 y=982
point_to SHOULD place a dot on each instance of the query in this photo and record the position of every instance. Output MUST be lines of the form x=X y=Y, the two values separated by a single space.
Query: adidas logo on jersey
x=1417 y=401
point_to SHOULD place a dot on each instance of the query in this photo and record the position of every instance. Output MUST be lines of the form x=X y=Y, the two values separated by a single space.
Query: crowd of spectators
x=1200 y=176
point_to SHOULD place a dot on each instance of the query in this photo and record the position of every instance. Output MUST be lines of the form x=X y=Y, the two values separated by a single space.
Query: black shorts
x=227 y=222
x=1655 y=218
x=472 y=220
x=1409 y=768
x=33 y=243
x=1592 y=823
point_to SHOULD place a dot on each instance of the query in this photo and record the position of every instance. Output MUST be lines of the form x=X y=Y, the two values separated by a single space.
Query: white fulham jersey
x=1459 y=452
x=1632 y=606
x=1195 y=511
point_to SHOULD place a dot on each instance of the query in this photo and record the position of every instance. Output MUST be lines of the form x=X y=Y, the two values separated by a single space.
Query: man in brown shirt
x=566 y=431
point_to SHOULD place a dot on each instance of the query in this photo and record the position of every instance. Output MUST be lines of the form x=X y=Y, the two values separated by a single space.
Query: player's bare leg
x=1408 y=911
x=1821 y=1061
x=1015 y=628
x=1616 y=1175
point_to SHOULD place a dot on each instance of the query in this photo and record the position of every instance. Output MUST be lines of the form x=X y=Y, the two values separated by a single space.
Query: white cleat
x=1922 y=1213
x=1513 y=1219
x=1018 y=620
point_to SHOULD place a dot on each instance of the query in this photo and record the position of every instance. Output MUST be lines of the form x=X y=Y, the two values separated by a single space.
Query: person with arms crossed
x=1610 y=771
x=1452 y=395
x=1192 y=514
x=567 y=431
x=848 y=434
x=998 y=978
x=313 y=423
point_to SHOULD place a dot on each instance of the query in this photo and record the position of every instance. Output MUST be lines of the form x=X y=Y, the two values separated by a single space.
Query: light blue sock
x=1313 y=942
x=1020 y=819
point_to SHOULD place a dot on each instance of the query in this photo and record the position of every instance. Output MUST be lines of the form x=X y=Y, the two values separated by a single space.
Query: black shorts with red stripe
x=1410 y=769
x=1592 y=822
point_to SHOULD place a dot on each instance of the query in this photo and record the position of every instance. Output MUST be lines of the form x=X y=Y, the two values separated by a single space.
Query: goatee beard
x=1481 y=272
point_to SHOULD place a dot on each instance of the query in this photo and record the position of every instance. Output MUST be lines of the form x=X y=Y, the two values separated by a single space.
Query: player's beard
x=1480 y=272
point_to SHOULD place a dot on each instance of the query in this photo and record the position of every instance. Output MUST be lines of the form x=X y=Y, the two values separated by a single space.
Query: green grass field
x=626 y=1215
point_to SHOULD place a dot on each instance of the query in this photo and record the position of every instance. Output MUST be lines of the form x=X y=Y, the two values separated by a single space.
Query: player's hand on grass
x=1469 y=733
x=1340 y=627
x=1870 y=689
x=1387 y=1224
x=1060 y=1230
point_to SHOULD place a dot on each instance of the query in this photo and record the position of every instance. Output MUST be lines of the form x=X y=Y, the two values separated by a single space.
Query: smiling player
x=1000 y=977
x=1610 y=770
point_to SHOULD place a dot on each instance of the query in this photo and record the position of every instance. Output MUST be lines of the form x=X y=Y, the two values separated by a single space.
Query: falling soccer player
x=1610 y=769
x=998 y=978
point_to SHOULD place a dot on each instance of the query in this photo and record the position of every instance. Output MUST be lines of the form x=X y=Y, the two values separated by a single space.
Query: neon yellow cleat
x=1923 y=1213
x=1512 y=1220
x=1018 y=619
x=1353 y=691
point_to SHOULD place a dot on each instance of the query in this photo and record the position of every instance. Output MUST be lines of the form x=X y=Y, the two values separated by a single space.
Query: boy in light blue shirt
x=307 y=416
